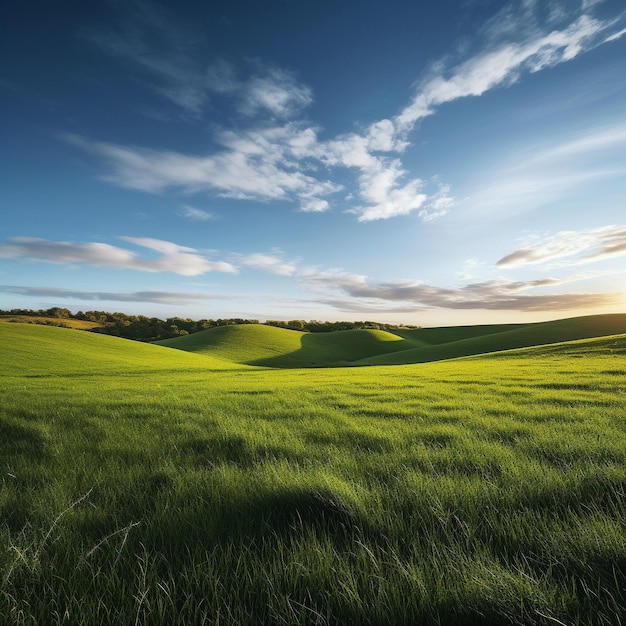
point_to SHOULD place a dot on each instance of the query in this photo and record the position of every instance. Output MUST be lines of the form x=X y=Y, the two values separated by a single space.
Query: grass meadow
x=144 y=485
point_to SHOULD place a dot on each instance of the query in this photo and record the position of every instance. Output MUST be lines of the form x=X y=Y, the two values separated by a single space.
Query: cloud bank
x=152 y=297
x=170 y=258
x=493 y=295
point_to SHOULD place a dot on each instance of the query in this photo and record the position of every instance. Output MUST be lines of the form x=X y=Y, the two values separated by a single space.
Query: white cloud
x=172 y=258
x=276 y=92
x=586 y=144
x=165 y=52
x=254 y=165
x=504 y=65
x=577 y=247
x=196 y=214
x=386 y=196
x=313 y=205
x=269 y=263
x=615 y=36
x=438 y=204
x=383 y=188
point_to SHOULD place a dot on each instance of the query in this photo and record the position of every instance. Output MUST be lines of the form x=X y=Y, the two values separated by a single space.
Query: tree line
x=143 y=328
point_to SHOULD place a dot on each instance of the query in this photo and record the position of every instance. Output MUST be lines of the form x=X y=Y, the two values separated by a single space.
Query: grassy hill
x=34 y=350
x=141 y=485
x=255 y=344
x=242 y=343
x=503 y=338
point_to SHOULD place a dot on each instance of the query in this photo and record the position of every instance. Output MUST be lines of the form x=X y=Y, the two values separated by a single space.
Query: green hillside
x=446 y=334
x=504 y=338
x=257 y=344
x=33 y=350
x=267 y=346
x=241 y=343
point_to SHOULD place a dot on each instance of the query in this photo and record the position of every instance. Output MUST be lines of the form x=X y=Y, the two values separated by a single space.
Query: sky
x=427 y=163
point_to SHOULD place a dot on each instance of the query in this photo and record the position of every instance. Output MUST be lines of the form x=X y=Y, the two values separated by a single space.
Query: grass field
x=142 y=485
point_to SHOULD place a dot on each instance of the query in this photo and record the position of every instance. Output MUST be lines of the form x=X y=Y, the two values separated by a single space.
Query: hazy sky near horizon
x=429 y=163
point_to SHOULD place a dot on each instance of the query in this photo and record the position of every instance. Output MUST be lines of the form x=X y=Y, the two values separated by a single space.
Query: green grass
x=453 y=342
x=256 y=344
x=266 y=346
x=141 y=485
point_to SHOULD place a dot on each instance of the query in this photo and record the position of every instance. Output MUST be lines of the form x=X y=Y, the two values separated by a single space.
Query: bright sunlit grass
x=145 y=485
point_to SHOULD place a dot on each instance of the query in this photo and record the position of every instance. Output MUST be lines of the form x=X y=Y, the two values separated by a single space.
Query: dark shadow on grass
x=288 y=512
x=268 y=517
x=336 y=349
x=351 y=441
x=234 y=450
x=16 y=439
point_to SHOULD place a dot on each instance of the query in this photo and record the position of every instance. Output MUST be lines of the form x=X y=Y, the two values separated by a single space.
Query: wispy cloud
x=496 y=295
x=277 y=92
x=171 y=257
x=270 y=263
x=155 y=297
x=576 y=247
x=160 y=49
x=197 y=215
x=505 y=63
x=166 y=53
x=543 y=175
x=258 y=165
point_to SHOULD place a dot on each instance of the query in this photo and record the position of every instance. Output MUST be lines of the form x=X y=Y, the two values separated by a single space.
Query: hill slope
x=257 y=344
x=33 y=350
x=267 y=346
x=517 y=336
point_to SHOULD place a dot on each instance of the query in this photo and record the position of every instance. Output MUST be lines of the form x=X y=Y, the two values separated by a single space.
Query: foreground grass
x=483 y=490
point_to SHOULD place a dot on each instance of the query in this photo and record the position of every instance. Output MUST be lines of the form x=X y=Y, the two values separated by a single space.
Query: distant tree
x=58 y=312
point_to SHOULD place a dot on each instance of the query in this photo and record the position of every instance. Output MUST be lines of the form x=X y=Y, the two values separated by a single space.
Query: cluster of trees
x=142 y=328
x=138 y=327
x=315 y=326
x=54 y=312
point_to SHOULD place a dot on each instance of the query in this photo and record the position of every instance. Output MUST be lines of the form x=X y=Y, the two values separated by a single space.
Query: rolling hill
x=35 y=350
x=504 y=338
x=257 y=344
x=254 y=344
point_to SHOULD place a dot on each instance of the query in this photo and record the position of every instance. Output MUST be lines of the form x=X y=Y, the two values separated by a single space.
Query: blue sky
x=457 y=162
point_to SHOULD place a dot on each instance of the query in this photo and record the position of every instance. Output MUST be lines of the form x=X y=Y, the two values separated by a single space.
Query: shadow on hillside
x=324 y=350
